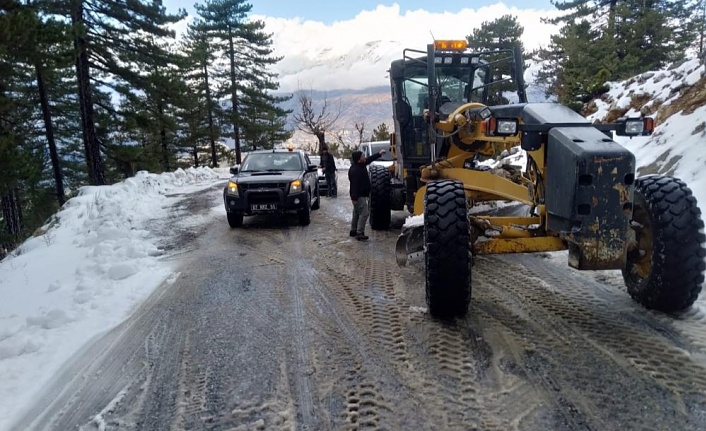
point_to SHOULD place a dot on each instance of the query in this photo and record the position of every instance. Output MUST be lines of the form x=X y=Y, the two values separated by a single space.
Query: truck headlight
x=295 y=186
x=232 y=188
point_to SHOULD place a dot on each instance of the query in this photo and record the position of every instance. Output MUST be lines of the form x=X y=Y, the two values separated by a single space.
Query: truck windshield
x=453 y=83
x=255 y=162
x=376 y=147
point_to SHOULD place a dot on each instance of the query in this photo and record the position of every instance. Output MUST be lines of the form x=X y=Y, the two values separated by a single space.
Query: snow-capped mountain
x=368 y=62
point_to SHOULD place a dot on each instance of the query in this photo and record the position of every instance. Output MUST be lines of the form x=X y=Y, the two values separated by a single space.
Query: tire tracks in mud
x=539 y=350
x=440 y=366
x=577 y=332
x=378 y=315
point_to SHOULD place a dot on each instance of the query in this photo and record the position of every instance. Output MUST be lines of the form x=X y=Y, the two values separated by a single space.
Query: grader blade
x=410 y=246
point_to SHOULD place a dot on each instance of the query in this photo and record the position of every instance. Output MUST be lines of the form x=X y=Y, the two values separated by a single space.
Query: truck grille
x=256 y=186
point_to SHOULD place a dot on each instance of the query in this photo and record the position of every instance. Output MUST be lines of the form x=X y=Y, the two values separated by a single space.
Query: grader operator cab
x=578 y=188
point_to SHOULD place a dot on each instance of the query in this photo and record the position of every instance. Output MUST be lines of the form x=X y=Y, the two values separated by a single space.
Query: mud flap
x=590 y=180
x=410 y=246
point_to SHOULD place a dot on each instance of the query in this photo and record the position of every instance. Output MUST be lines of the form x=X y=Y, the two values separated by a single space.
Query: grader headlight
x=506 y=127
x=635 y=126
x=500 y=126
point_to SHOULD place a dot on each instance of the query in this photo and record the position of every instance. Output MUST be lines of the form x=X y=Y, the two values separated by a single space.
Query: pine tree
x=502 y=33
x=604 y=40
x=149 y=104
x=21 y=152
x=246 y=78
x=264 y=128
x=51 y=57
x=578 y=64
x=381 y=133
x=107 y=36
x=199 y=111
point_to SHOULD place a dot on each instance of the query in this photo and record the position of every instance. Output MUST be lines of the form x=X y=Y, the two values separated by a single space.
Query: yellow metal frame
x=513 y=234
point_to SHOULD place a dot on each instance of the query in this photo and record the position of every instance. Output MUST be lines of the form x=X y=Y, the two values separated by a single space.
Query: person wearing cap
x=328 y=166
x=360 y=192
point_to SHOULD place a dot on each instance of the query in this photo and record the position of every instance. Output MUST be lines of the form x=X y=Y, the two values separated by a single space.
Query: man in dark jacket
x=360 y=192
x=328 y=166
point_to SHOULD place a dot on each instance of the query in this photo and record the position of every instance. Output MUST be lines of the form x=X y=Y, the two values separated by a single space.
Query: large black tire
x=666 y=272
x=448 y=252
x=316 y=205
x=235 y=219
x=305 y=213
x=380 y=197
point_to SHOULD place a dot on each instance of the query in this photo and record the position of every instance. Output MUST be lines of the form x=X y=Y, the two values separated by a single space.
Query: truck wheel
x=380 y=205
x=665 y=271
x=448 y=254
x=235 y=219
x=305 y=213
x=316 y=205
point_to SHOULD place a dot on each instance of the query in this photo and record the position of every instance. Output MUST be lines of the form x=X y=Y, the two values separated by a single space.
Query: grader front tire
x=448 y=254
x=665 y=272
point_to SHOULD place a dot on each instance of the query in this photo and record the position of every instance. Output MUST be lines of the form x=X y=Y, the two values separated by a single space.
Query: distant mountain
x=372 y=106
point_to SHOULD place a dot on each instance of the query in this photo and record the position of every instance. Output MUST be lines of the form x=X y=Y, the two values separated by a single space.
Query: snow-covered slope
x=676 y=98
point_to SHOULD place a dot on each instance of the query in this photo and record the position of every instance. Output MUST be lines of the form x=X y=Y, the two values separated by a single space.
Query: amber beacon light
x=450 y=45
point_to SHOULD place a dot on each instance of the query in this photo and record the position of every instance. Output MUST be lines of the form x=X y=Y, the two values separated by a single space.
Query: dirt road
x=280 y=327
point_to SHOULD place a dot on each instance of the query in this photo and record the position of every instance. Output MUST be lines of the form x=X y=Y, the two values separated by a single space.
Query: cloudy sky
x=332 y=45
x=330 y=11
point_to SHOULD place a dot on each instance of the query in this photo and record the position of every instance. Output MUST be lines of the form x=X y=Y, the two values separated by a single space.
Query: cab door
x=310 y=178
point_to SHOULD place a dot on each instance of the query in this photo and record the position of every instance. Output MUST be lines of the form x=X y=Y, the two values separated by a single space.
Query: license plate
x=263 y=207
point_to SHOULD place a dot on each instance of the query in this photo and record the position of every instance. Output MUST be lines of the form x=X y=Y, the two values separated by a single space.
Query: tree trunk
x=163 y=138
x=49 y=129
x=234 y=97
x=703 y=28
x=94 y=162
x=12 y=214
x=321 y=136
x=196 y=157
x=211 y=133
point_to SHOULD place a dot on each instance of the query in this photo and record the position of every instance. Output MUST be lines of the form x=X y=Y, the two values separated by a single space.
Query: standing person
x=328 y=166
x=360 y=192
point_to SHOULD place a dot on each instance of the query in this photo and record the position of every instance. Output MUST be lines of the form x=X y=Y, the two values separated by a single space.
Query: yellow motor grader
x=577 y=192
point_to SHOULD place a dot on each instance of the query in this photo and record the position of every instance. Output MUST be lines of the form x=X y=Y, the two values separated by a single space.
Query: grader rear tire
x=380 y=197
x=665 y=273
x=448 y=254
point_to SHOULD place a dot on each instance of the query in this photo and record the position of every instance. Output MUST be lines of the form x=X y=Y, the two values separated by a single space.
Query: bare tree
x=360 y=127
x=341 y=147
x=314 y=122
x=309 y=147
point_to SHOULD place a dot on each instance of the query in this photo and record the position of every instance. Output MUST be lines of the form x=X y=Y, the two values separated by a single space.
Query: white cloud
x=356 y=53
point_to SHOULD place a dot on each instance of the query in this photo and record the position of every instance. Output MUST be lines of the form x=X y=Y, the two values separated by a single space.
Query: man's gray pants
x=361 y=212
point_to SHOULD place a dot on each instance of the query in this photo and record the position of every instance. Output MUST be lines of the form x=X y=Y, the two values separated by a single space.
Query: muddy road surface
x=276 y=326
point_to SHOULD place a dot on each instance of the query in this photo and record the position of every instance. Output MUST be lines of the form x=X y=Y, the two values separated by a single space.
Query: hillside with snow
x=676 y=99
